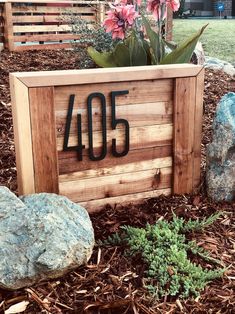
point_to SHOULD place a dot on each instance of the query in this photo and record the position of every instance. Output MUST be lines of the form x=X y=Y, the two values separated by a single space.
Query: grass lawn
x=218 y=39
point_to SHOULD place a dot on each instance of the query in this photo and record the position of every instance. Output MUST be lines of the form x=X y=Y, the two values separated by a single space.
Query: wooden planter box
x=140 y=128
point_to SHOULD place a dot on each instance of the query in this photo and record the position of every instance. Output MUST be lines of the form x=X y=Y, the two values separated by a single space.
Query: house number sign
x=114 y=123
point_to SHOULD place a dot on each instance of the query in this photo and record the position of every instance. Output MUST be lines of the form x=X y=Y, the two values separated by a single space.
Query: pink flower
x=155 y=6
x=119 y=19
x=173 y=4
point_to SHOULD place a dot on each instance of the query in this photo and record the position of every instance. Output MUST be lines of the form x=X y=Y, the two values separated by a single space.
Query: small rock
x=230 y=70
x=41 y=236
x=221 y=152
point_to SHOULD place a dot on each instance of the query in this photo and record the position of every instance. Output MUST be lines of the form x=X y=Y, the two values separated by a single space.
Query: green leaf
x=154 y=41
x=183 y=53
x=170 y=44
x=138 y=55
x=121 y=55
x=102 y=59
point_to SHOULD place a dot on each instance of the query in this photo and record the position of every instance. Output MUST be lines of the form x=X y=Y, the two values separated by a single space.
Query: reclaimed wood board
x=111 y=140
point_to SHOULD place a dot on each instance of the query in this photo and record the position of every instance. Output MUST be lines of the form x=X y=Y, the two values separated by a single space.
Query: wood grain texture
x=43 y=47
x=50 y=37
x=115 y=185
x=140 y=137
x=137 y=115
x=136 y=198
x=22 y=136
x=68 y=161
x=198 y=128
x=8 y=27
x=183 y=142
x=117 y=169
x=122 y=74
x=140 y=92
x=44 y=139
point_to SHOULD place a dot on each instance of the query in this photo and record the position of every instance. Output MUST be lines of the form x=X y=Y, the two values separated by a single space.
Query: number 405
x=114 y=123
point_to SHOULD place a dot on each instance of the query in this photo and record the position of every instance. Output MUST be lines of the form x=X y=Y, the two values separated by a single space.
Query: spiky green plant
x=164 y=249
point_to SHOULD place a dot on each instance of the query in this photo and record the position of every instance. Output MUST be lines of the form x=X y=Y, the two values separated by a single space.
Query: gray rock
x=217 y=64
x=41 y=236
x=221 y=152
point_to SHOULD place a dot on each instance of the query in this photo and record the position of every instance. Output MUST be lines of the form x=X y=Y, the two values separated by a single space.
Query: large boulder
x=221 y=152
x=41 y=236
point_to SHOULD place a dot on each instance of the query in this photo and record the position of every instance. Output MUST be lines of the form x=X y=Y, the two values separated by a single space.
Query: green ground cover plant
x=218 y=39
x=165 y=250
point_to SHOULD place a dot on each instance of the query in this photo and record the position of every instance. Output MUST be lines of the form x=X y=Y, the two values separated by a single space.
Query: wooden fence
x=108 y=135
x=41 y=24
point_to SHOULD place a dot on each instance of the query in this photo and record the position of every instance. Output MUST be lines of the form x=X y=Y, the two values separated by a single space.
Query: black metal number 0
x=90 y=128
x=115 y=122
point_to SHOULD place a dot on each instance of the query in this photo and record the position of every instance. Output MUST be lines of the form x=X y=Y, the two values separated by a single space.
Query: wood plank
x=135 y=114
x=41 y=28
x=68 y=161
x=60 y=19
x=122 y=74
x=43 y=139
x=8 y=27
x=52 y=10
x=120 y=184
x=198 y=128
x=46 y=37
x=140 y=92
x=183 y=142
x=22 y=136
x=53 y=1
x=136 y=198
x=140 y=137
x=118 y=169
x=43 y=47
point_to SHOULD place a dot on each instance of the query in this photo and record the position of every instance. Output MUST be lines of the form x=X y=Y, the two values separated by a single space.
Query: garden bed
x=111 y=283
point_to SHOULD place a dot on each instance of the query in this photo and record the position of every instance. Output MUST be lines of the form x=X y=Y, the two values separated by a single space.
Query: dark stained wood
x=44 y=139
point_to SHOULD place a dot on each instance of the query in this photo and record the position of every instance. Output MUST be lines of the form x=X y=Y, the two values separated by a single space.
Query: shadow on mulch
x=111 y=283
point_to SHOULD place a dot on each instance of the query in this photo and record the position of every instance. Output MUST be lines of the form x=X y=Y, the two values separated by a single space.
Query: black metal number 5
x=115 y=122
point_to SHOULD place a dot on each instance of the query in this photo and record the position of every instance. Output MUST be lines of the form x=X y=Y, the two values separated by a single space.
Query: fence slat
x=8 y=27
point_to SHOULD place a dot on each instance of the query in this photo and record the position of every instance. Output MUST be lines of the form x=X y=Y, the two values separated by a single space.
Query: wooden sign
x=108 y=136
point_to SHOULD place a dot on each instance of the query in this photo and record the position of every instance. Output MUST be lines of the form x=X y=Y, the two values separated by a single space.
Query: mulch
x=112 y=283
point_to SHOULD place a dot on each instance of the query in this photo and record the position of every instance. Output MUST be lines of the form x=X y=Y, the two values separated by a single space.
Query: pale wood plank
x=41 y=28
x=140 y=92
x=184 y=115
x=198 y=128
x=136 y=114
x=22 y=136
x=44 y=139
x=43 y=47
x=50 y=37
x=68 y=161
x=61 y=10
x=140 y=137
x=125 y=74
x=117 y=169
x=115 y=185
x=136 y=198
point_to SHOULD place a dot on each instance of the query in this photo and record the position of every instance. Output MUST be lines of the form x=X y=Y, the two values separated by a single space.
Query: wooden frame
x=37 y=21
x=164 y=110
